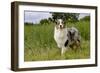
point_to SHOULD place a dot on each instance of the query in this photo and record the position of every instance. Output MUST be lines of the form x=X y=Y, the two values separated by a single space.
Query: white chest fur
x=60 y=36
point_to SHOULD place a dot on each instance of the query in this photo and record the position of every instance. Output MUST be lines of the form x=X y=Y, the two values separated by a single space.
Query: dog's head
x=60 y=24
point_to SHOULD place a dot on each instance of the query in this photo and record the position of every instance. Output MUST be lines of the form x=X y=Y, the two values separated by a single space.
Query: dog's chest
x=60 y=35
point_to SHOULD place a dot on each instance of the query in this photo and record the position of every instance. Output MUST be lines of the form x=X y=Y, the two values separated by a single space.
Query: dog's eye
x=57 y=23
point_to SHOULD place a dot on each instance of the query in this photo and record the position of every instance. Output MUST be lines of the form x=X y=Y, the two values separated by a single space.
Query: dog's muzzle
x=61 y=26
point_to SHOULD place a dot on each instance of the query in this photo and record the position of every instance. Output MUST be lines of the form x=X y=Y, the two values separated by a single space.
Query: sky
x=35 y=17
x=83 y=15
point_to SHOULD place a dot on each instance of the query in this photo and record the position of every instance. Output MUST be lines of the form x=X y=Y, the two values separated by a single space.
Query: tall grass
x=39 y=43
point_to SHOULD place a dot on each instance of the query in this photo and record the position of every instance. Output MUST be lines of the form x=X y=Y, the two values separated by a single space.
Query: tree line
x=67 y=17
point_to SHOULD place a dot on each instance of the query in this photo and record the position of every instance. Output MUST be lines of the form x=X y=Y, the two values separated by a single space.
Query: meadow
x=39 y=44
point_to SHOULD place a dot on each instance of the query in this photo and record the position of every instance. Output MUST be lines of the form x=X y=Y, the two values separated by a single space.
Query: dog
x=65 y=37
x=60 y=35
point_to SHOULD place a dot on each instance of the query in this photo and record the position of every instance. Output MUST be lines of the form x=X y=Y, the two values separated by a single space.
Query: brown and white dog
x=65 y=37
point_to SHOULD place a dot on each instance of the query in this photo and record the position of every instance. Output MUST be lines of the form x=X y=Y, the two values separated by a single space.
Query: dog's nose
x=60 y=26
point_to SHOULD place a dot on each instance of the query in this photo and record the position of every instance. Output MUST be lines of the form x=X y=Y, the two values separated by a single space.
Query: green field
x=39 y=43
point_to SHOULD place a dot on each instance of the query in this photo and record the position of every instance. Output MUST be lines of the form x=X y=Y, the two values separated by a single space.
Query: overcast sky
x=83 y=15
x=35 y=17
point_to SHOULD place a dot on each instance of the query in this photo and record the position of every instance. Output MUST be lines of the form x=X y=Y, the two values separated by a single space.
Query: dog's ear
x=64 y=22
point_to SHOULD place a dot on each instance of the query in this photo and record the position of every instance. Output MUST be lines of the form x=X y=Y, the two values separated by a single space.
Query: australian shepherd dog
x=65 y=37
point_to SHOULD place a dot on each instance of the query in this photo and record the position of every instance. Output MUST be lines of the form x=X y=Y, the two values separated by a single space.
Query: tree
x=28 y=23
x=44 y=21
x=50 y=19
x=71 y=17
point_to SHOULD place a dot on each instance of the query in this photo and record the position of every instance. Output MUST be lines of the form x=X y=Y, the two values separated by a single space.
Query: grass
x=39 y=43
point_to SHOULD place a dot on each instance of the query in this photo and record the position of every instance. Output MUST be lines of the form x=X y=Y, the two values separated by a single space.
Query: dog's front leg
x=63 y=50
x=59 y=45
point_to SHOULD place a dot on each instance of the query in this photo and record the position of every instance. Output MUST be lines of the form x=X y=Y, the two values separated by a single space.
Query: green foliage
x=86 y=18
x=39 y=43
x=50 y=19
x=69 y=17
x=27 y=23
x=44 y=21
